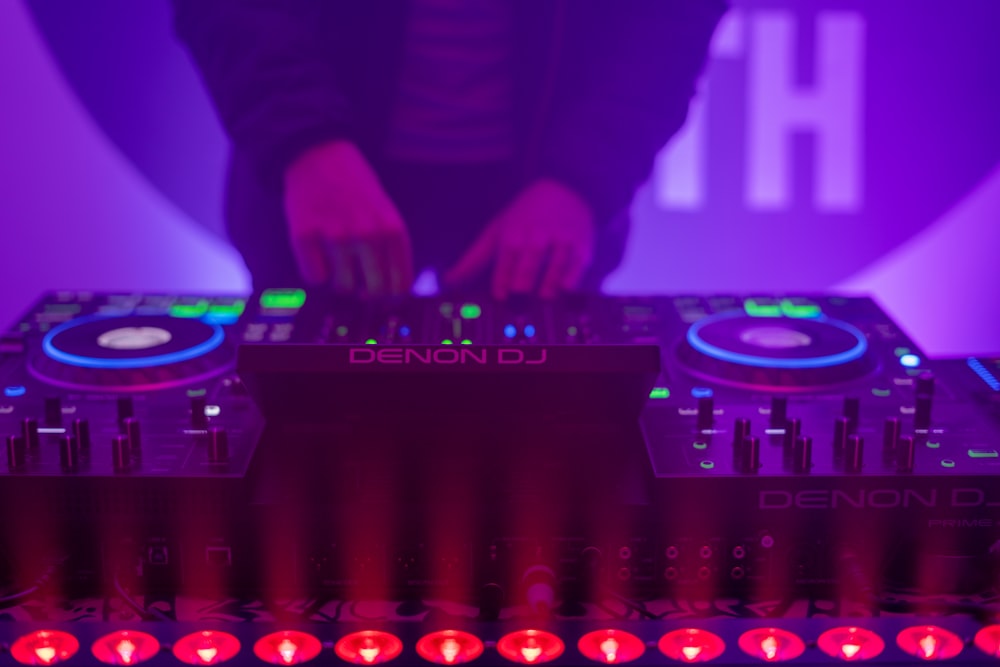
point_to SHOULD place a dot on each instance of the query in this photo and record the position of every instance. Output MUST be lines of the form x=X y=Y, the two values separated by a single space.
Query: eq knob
x=793 y=429
x=841 y=429
x=121 y=459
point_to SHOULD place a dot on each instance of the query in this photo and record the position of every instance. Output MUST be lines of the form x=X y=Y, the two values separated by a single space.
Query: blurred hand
x=542 y=243
x=345 y=231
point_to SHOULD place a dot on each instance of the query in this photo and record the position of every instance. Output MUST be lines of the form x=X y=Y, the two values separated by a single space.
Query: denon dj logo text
x=873 y=499
x=448 y=355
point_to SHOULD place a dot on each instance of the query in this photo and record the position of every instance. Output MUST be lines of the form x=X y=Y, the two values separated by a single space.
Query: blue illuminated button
x=529 y=330
x=14 y=391
x=910 y=360
x=510 y=331
x=404 y=331
x=701 y=392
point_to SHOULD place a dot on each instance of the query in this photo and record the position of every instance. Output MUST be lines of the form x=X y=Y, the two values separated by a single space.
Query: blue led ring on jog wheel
x=130 y=353
x=780 y=353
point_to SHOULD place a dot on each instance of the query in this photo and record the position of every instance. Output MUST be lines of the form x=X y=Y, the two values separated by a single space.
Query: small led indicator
x=659 y=392
x=283 y=299
x=341 y=331
x=470 y=311
x=14 y=391
x=934 y=445
x=572 y=331
x=910 y=360
x=947 y=463
x=510 y=331
x=707 y=465
x=701 y=445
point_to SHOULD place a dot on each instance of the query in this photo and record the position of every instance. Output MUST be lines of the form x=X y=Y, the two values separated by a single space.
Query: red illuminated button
x=611 y=647
x=126 y=647
x=44 y=647
x=772 y=644
x=449 y=647
x=988 y=640
x=851 y=643
x=530 y=647
x=691 y=645
x=208 y=647
x=929 y=642
x=369 y=647
x=288 y=647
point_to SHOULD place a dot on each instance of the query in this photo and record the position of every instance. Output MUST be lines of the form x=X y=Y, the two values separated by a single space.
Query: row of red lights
x=528 y=647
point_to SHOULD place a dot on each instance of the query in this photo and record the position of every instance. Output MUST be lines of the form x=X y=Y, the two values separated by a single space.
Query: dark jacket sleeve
x=265 y=69
x=626 y=75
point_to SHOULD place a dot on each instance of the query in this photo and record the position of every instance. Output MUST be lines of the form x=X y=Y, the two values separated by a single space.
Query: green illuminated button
x=341 y=331
x=701 y=445
x=371 y=341
x=195 y=393
x=799 y=308
x=572 y=331
x=934 y=445
x=283 y=299
x=189 y=310
x=470 y=311
x=447 y=341
x=900 y=351
x=762 y=308
x=882 y=393
x=983 y=454
x=659 y=392
x=234 y=309
x=447 y=309
x=947 y=463
x=466 y=341
x=707 y=465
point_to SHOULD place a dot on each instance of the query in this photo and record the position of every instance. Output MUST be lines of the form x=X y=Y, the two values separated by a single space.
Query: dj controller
x=534 y=455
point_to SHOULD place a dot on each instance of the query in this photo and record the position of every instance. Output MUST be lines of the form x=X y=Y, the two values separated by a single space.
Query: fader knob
x=706 y=413
x=802 y=455
x=81 y=431
x=890 y=438
x=779 y=411
x=905 y=451
x=29 y=431
x=925 y=384
x=841 y=429
x=53 y=411
x=218 y=445
x=198 y=419
x=15 y=452
x=751 y=455
x=855 y=455
x=741 y=430
x=793 y=429
x=852 y=411
x=69 y=453
x=126 y=409
x=121 y=460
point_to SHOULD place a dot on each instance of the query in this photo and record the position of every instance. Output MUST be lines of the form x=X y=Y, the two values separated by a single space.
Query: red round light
x=851 y=643
x=772 y=644
x=988 y=640
x=208 y=647
x=125 y=647
x=44 y=647
x=449 y=647
x=691 y=645
x=611 y=647
x=530 y=647
x=929 y=642
x=368 y=647
x=287 y=647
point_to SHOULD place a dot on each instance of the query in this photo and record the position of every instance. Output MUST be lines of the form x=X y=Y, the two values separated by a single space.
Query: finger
x=372 y=270
x=310 y=257
x=399 y=260
x=527 y=268
x=503 y=271
x=341 y=265
x=477 y=258
x=572 y=277
x=560 y=263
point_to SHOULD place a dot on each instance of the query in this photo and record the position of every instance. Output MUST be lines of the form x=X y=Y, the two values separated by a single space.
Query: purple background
x=111 y=161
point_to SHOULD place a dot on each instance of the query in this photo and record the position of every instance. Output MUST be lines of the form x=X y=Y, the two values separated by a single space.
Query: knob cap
x=890 y=437
x=69 y=453
x=793 y=429
x=855 y=454
x=16 y=457
x=841 y=429
x=802 y=456
x=218 y=445
x=741 y=430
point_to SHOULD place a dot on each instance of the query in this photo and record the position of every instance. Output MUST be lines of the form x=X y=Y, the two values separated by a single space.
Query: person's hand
x=542 y=243
x=345 y=232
